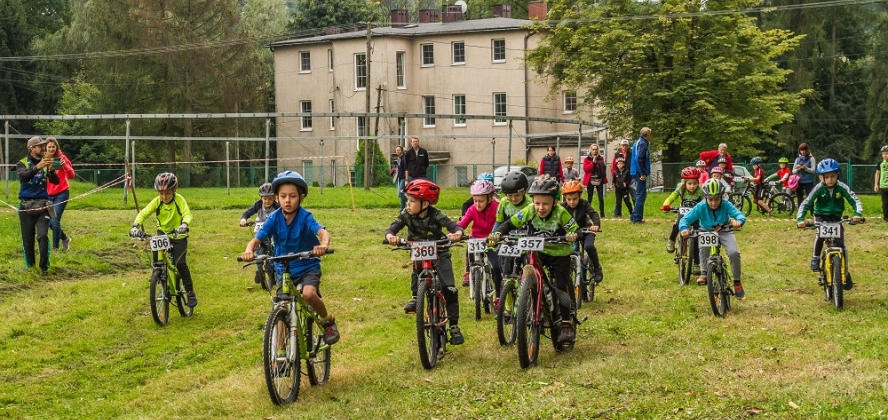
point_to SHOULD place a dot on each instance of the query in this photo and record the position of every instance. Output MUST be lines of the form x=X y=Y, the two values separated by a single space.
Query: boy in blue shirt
x=294 y=229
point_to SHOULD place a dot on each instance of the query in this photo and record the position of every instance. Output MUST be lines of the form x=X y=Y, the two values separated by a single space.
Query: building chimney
x=429 y=16
x=330 y=30
x=502 y=10
x=399 y=18
x=537 y=10
x=451 y=13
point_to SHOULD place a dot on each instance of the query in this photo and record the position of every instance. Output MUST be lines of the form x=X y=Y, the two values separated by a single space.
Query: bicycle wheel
x=528 y=326
x=280 y=357
x=505 y=316
x=318 y=363
x=268 y=277
x=713 y=288
x=160 y=302
x=725 y=292
x=488 y=288
x=782 y=206
x=427 y=312
x=181 y=298
x=835 y=280
x=741 y=202
x=684 y=261
x=576 y=274
x=475 y=283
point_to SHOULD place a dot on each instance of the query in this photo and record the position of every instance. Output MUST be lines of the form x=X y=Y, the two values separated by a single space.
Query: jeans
x=640 y=197
x=401 y=194
x=56 y=224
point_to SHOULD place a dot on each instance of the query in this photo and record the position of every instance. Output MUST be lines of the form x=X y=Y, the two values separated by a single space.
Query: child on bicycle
x=757 y=179
x=715 y=213
x=514 y=186
x=828 y=201
x=261 y=208
x=704 y=175
x=294 y=229
x=425 y=222
x=586 y=217
x=718 y=173
x=173 y=217
x=688 y=193
x=782 y=175
x=484 y=176
x=482 y=217
x=546 y=217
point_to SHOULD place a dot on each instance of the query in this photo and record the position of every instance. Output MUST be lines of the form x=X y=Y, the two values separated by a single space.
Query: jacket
x=622 y=179
x=583 y=214
x=829 y=202
x=33 y=181
x=417 y=162
x=641 y=158
x=594 y=168
x=709 y=218
x=625 y=156
x=806 y=176
x=711 y=159
x=552 y=165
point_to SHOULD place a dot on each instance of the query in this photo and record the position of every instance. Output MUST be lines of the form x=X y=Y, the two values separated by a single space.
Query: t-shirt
x=558 y=222
x=506 y=209
x=300 y=235
x=169 y=215
x=882 y=167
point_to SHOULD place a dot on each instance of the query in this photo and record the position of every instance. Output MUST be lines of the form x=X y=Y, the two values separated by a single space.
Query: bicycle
x=512 y=264
x=481 y=290
x=684 y=252
x=431 y=307
x=265 y=274
x=165 y=283
x=584 y=290
x=292 y=333
x=833 y=265
x=780 y=203
x=719 y=285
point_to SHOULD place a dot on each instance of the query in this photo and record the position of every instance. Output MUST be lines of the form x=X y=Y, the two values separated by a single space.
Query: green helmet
x=713 y=188
x=783 y=160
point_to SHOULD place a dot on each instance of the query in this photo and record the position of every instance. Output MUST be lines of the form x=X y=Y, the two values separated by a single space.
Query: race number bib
x=423 y=251
x=684 y=210
x=257 y=226
x=509 y=251
x=159 y=243
x=531 y=244
x=477 y=245
x=829 y=230
x=707 y=239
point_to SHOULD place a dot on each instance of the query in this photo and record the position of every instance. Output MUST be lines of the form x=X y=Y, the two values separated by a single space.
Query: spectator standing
x=417 y=161
x=551 y=165
x=595 y=176
x=640 y=169
x=400 y=171
x=804 y=167
x=59 y=193
x=570 y=173
x=711 y=158
x=35 y=208
x=880 y=185
x=624 y=151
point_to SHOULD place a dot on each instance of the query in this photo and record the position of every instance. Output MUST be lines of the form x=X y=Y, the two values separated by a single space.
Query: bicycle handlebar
x=304 y=255
x=440 y=243
x=811 y=224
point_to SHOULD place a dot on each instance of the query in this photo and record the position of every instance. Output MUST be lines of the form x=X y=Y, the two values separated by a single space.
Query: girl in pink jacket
x=59 y=193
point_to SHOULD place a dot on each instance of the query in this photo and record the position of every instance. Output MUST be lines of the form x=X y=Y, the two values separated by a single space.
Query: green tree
x=696 y=80
x=315 y=14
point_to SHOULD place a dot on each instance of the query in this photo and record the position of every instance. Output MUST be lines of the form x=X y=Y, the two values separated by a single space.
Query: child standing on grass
x=880 y=185
x=482 y=217
x=294 y=229
x=586 y=217
x=689 y=195
x=425 y=222
x=173 y=217
x=622 y=180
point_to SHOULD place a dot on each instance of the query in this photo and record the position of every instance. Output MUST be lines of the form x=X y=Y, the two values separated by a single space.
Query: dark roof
x=418 y=29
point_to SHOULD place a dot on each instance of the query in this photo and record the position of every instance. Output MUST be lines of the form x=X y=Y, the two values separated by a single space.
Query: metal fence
x=858 y=177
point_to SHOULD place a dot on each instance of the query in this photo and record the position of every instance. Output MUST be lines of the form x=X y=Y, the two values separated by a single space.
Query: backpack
x=793 y=182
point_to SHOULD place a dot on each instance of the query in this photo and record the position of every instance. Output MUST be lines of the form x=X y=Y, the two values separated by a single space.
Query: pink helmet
x=701 y=163
x=482 y=187
x=717 y=169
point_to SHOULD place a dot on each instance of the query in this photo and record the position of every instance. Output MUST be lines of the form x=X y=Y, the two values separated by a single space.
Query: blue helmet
x=827 y=165
x=290 y=177
x=485 y=176
x=755 y=161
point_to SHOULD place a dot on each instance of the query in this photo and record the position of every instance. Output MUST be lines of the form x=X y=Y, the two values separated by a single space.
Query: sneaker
x=701 y=281
x=815 y=263
x=597 y=275
x=670 y=247
x=738 y=291
x=848 y=283
x=192 y=299
x=466 y=280
x=567 y=332
x=331 y=333
x=66 y=244
x=695 y=269
x=456 y=337
x=410 y=307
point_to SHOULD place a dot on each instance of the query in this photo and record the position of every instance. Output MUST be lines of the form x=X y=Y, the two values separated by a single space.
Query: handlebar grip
x=329 y=251
x=240 y=259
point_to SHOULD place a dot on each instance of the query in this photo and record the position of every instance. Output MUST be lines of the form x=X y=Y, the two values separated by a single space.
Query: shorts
x=759 y=191
x=308 y=278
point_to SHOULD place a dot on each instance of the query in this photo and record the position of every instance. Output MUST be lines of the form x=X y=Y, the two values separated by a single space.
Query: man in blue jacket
x=640 y=170
x=34 y=210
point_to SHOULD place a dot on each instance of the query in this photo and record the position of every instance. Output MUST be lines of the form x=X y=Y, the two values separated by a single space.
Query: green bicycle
x=165 y=284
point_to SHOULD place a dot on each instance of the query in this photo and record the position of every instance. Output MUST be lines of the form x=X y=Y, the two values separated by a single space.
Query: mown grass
x=81 y=343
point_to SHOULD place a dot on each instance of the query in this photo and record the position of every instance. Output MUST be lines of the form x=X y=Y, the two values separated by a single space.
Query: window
x=428 y=107
x=499 y=50
x=428 y=55
x=332 y=119
x=363 y=130
x=459 y=53
x=306 y=121
x=459 y=108
x=360 y=71
x=499 y=108
x=330 y=59
x=401 y=67
x=308 y=171
x=570 y=102
x=304 y=62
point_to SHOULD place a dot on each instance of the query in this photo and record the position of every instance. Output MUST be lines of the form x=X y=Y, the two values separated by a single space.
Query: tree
x=697 y=80
x=316 y=14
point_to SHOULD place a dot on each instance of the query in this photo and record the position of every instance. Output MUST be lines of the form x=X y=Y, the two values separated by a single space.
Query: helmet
x=570 y=187
x=568 y=160
x=690 y=173
x=713 y=188
x=485 y=176
x=624 y=142
x=423 y=189
x=755 y=161
x=290 y=177
x=827 y=165
x=884 y=149
x=722 y=160
x=717 y=170
x=783 y=160
x=544 y=185
x=621 y=159
x=265 y=190
x=701 y=163
x=166 y=182
x=482 y=187
x=514 y=182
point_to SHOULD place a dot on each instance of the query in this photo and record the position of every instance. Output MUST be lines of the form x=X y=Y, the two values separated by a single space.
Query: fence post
x=227 y=169
x=6 y=159
x=850 y=176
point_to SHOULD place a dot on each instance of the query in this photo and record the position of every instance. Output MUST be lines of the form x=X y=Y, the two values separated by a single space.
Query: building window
x=428 y=107
x=306 y=109
x=332 y=119
x=459 y=53
x=459 y=108
x=330 y=59
x=304 y=62
x=401 y=68
x=363 y=129
x=570 y=102
x=499 y=108
x=360 y=71
x=428 y=55
x=499 y=50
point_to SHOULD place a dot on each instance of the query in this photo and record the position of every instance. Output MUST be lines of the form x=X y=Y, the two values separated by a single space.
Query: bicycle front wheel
x=160 y=302
x=684 y=261
x=835 y=280
x=528 y=325
x=427 y=318
x=576 y=273
x=741 y=202
x=268 y=277
x=714 y=282
x=782 y=206
x=280 y=356
x=476 y=280
x=505 y=316
x=318 y=363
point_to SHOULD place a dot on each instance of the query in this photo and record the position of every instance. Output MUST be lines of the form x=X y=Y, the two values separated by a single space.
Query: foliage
x=477 y=9
x=381 y=167
x=316 y=14
x=696 y=81
x=877 y=98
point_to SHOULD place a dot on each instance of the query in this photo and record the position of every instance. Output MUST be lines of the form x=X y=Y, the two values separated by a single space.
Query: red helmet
x=423 y=189
x=690 y=173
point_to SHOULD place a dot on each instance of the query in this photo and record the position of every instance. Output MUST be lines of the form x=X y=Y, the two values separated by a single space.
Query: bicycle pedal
x=580 y=321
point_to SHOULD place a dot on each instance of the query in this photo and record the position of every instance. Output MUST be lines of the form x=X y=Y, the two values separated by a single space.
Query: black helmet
x=514 y=182
x=166 y=182
x=545 y=185
x=265 y=190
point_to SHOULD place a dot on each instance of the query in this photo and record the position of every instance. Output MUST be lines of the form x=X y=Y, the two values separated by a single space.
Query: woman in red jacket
x=595 y=176
x=58 y=193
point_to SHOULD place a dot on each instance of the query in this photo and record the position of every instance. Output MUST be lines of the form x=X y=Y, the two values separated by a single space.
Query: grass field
x=80 y=343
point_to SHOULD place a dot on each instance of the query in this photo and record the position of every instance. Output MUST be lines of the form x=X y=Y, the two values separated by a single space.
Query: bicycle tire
x=782 y=206
x=427 y=325
x=181 y=299
x=685 y=259
x=576 y=273
x=269 y=277
x=505 y=315
x=160 y=302
x=725 y=291
x=528 y=327
x=318 y=363
x=589 y=294
x=488 y=288
x=835 y=271
x=712 y=287
x=475 y=282
x=741 y=202
x=282 y=372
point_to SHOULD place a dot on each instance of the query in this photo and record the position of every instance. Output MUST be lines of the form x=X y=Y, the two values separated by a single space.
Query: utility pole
x=367 y=119
x=376 y=130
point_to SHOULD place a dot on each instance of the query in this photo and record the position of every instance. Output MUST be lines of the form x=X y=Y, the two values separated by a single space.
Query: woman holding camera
x=58 y=192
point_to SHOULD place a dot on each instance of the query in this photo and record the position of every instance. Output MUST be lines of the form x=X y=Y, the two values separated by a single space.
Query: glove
x=135 y=232
x=182 y=229
x=494 y=237
x=665 y=207
x=243 y=222
x=571 y=237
